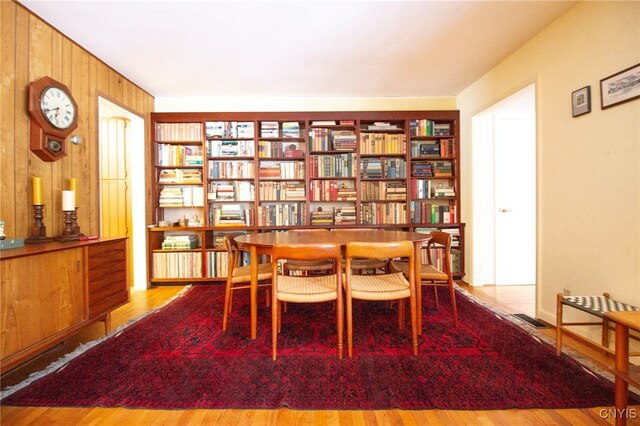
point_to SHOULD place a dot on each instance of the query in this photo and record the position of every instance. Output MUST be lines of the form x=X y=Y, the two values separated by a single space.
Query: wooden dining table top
x=339 y=236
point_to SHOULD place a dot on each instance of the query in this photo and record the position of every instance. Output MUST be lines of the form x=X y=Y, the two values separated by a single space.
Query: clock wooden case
x=54 y=115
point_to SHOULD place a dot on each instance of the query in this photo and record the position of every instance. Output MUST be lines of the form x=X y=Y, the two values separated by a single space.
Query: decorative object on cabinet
x=54 y=116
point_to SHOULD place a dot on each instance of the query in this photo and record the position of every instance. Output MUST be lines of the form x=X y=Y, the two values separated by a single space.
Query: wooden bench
x=594 y=305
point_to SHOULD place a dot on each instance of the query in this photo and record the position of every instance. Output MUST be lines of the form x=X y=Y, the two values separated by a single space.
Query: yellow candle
x=37 y=191
x=73 y=186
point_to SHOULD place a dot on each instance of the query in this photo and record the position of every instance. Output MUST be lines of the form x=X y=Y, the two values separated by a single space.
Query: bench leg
x=559 y=324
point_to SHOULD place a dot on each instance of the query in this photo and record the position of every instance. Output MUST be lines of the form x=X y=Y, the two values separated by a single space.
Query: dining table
x=262 y=243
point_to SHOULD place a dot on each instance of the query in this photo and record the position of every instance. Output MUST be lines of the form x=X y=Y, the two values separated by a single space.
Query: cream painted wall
x=236 y=104
x=588 y=180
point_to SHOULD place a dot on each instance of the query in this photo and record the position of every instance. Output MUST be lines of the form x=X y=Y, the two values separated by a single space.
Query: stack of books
x=345 y=215
x=180 y=242
x=322 y=217
x=269 y=129
x=290 y=129
x=343 y=140
x=170 y=197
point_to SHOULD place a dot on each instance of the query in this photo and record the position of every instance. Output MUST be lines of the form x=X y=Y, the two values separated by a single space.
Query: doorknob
x=505 y=210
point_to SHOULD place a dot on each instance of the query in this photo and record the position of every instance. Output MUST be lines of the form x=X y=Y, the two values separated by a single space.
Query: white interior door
x=515 y=222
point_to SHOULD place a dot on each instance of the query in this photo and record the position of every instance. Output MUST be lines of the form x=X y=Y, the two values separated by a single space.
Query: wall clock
x=54 y=115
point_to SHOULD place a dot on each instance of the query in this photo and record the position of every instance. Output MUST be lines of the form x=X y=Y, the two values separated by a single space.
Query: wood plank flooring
x=512 y=299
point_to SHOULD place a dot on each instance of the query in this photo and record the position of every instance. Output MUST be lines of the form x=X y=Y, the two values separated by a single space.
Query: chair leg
x=227 y=306
x=454 y=308
x=349 y=326
x=435 y=294
x=414 y=328
x=559 y=298
x=419 y=306
x=274 y=328
x=340 y=324
x=400 y=314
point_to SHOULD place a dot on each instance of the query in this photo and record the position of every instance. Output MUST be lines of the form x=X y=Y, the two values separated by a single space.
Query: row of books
x=454 y=232
x=427 y=188
x=178 y=132
x=177 y=265
x=426 y=212
x=383 y=143
x=217 y=264
x=325 y=139
x=231 y=191
x=229 y=129
x=383 y=168
x=189 y=196
x=282 y=170
x=180 y=242
x=184 y=176
x=279 y=149
x=393 y=190
x=282 y=191
x=178 y=155
x=290 y=214
x=373 y=213
x=219 y=169
x=340 y=165
x=429 y=128
x=443 y=148
x=230 y=148
x=331 y=190
x=432 y=169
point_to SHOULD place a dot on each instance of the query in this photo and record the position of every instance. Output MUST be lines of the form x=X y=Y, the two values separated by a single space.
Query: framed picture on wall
x=581 y=101
x=620 y=87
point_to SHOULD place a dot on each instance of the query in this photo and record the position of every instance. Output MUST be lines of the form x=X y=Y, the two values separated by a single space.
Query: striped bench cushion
x=597 y=305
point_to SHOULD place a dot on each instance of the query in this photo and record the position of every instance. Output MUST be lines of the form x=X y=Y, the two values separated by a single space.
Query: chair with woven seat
x=305 y=289
x=239 y=277
x=431 y=275
x=308 y=266
x=360 y=265
x=380 y=287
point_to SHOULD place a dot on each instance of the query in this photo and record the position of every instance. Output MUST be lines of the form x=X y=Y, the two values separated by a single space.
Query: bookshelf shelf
x=270 y=171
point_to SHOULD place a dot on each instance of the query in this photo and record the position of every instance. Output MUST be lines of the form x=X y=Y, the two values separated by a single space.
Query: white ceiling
x=185 y=48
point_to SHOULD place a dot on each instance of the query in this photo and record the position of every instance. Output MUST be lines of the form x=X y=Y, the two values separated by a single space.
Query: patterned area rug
x=178 y=358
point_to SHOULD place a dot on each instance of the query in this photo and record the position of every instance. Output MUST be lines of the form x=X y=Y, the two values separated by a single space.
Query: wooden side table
x=624 y=374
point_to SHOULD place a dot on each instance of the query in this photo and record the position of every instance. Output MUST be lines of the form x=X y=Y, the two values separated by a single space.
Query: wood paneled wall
x=29 y=49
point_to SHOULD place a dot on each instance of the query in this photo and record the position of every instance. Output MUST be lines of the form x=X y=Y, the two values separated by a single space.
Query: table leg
x=622 y=364
x=253 y=256
x=417 y=251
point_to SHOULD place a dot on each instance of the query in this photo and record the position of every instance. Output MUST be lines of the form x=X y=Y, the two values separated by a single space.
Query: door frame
x=108 y=107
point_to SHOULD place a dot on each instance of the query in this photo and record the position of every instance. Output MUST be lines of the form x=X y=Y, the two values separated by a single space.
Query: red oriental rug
x=178 y=358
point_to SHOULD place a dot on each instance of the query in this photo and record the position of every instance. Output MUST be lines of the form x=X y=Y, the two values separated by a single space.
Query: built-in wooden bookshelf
x=221 y=172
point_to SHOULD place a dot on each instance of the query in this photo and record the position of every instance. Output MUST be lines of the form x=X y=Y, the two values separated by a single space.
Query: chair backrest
x=380 y=250
x=315 y=251
x=233 y=250
x=308 y=252
x=440 y=241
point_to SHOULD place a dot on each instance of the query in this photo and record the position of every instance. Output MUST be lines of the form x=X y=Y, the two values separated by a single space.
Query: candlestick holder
x=38 y=229
x=74 y=223
x=70 y=232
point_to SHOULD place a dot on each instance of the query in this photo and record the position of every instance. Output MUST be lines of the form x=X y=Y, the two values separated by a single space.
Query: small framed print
x=620 y=87
x=581 y=101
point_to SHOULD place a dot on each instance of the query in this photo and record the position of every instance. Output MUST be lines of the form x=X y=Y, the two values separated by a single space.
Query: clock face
x=57 y=107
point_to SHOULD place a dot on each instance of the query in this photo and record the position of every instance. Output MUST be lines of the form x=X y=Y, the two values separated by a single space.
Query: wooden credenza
x=52 y=290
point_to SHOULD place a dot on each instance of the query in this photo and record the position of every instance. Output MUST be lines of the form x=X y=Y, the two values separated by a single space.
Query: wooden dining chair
x=380 y=287
x=239 y=277
x=305 y=267
x=360 y=265
x=305 y=289
x=432 y=275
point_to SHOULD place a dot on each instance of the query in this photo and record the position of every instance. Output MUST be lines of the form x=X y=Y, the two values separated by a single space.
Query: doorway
x=504 y=192
x=122 y=195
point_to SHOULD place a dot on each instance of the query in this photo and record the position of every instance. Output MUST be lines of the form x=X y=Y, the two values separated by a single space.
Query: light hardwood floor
x=512 y=299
